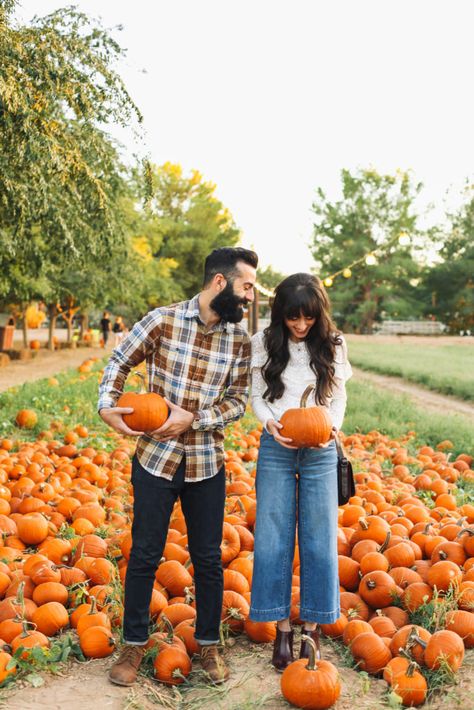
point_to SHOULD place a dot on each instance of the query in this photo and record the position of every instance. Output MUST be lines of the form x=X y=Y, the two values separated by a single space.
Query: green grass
x=74 y=402
x=444 y=368
x=370 y=407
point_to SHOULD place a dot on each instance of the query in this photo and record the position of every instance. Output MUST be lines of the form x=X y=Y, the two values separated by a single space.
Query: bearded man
x=198 y=358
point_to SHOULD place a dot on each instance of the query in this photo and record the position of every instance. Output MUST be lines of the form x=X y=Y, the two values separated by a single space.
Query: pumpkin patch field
x=405 y=636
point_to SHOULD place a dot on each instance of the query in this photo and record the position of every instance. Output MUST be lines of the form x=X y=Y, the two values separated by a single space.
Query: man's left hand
x=179 y=420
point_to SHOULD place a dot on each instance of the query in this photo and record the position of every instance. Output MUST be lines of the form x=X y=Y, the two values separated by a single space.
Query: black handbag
x=345 y=476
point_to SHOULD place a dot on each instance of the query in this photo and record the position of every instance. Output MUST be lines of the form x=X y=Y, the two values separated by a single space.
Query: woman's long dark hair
x=295 y=295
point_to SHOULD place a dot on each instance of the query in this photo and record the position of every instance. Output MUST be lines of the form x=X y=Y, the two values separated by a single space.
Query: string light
x=370 y=259
x=403 y=239
x=264 y=291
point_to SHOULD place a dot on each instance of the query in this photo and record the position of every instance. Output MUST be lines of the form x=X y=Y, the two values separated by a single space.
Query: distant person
x=118 y=330
x=105 y=327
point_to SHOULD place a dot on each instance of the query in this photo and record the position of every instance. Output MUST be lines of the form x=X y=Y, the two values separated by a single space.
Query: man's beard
x=229 y=306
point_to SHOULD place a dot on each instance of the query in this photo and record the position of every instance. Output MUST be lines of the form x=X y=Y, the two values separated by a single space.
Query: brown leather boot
x=124 y=670
x=282 y=650
x=213 y=664
x=304 y=649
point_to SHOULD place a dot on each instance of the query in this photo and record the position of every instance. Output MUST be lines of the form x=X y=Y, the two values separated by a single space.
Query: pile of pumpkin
x=65 y=519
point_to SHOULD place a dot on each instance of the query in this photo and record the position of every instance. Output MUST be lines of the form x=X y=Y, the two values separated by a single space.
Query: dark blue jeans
x=203 y=507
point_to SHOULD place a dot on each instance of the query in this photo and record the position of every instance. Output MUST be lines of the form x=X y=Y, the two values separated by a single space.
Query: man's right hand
x=113 y=417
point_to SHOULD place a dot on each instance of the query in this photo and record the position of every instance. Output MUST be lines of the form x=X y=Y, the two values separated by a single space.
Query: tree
x=373 y=211
x=60 y=172
x=190 y=222
x=269 y=277
x=450 y=284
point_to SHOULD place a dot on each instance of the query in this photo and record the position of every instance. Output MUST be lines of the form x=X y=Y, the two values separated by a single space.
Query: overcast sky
x=271 y=99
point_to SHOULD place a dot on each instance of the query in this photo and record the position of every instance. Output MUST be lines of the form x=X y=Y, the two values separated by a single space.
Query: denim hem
x=282 y=612
x=320 y=617
x=135 y=643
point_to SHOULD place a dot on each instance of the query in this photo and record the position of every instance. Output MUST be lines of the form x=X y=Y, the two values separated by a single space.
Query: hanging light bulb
x=328 y=281
x=404 y=239
x=370 y=259
x=347 y=273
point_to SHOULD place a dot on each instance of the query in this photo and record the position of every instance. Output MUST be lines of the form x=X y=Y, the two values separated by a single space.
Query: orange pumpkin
x=306 y=426
x=310 y=683
x=150 y=410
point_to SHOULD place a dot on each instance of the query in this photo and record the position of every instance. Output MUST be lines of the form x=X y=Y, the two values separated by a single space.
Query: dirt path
x=421 y=396
x=253 y=684
x=45 y=364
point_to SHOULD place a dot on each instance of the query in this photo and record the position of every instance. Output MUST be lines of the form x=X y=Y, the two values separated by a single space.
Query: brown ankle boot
x=282 y=650
x=213 y=664
x=304 y=650
x=124 y=670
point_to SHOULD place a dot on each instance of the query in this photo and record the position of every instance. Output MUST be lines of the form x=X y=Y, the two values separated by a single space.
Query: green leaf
x=35 y=680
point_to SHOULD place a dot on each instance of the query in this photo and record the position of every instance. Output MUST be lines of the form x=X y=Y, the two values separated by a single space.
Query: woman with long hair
x=300 y=347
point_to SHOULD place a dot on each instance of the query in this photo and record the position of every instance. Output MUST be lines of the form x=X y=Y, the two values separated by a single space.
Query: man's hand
x=179 y=420
x=113 y=417
x=273 y=427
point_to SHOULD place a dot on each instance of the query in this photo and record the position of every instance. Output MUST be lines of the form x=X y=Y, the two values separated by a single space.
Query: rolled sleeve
x=131 y=352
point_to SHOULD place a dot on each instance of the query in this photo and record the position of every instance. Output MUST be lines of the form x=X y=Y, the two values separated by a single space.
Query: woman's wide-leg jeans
x=296 y=485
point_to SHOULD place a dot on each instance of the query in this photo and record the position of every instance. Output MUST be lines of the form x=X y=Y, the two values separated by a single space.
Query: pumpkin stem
x=411 y=669
x=384 y=545
x=469 y=531
x=414 y=639
x=93 y=609
x=363 y=524
x=311 y=665
x=168 y=626
x=20 y=597
x=143 y=382
x=404 y=653
x=305 y=395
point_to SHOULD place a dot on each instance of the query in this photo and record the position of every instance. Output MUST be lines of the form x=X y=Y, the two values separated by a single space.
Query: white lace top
x=296 y=377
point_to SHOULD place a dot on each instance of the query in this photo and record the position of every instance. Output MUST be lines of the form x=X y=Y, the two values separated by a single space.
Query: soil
x=44 y=364
x=253 y=684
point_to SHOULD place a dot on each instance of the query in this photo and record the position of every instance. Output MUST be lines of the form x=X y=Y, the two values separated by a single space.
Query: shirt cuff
x=205 y=420
x=105 y=402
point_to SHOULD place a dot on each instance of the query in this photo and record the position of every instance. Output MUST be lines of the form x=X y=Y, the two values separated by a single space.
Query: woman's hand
x=273 y=427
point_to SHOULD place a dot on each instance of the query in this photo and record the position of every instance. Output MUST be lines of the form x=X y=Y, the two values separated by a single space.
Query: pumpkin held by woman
x=306 y=426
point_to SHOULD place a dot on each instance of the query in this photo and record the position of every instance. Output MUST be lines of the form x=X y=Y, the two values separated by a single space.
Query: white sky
x=270 y=99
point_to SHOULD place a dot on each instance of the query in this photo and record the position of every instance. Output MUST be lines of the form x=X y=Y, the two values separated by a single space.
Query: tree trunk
x=24 y=325
x=53 y=314
x=68 y=320
x=84 y=324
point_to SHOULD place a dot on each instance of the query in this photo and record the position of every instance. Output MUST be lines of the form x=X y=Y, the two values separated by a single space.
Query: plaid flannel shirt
x=202 y=371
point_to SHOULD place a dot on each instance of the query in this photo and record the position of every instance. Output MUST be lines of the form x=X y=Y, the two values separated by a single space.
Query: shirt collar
x=192 y=311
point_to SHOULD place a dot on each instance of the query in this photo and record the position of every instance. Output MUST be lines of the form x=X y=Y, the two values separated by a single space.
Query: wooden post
x=254 y=309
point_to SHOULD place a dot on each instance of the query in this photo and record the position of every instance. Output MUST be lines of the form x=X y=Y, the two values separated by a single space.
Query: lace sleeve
x=342 y=366
x=261 y=409
x=343 y=372
x=259 y=358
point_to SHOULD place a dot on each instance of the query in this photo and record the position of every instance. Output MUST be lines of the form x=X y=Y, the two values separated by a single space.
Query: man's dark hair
x=224 y=261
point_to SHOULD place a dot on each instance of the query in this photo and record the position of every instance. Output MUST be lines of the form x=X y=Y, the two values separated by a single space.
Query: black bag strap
x=339 y=449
